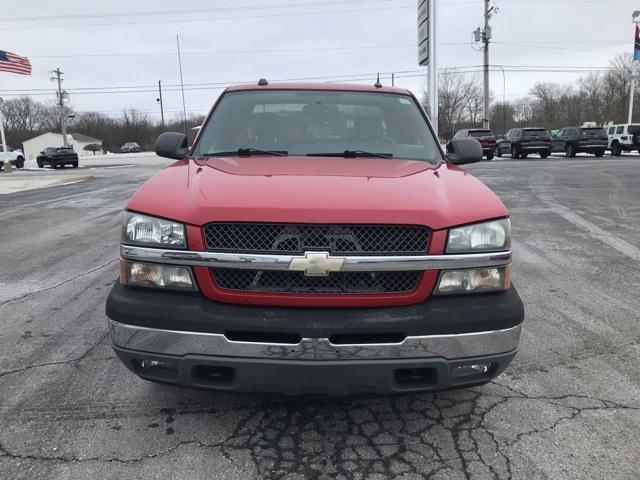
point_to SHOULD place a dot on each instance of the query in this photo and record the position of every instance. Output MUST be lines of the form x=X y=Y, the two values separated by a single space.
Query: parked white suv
x=15 y=157
x=623 y=138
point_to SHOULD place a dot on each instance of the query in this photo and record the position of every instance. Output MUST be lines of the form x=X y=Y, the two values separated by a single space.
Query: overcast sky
x=133 y=44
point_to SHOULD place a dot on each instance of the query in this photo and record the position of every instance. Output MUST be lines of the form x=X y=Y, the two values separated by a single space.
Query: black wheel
x=498 y=152
x=599 y=153
x=570 y=151
x=19 y=162
x=54 y=165
x=489 y=157
x=75 y=164
x=39 y=164
x=544 y=154
x=514 y=152
x=524 y=155
x=616 y=150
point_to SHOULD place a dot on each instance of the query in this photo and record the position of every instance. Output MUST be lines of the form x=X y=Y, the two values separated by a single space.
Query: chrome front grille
x=295 y=239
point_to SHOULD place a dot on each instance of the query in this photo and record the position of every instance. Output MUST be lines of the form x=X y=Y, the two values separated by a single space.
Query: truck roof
x=349 y=87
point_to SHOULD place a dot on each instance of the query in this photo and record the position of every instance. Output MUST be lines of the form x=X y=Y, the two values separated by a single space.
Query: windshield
x=298 y=122
x=594 y=131
x=480 y=133
x=536 y=133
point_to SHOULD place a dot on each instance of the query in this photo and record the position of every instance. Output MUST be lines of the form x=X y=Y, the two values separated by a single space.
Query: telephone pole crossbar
x=61 y=94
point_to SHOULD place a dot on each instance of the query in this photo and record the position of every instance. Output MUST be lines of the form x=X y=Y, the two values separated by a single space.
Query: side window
x=620 y=130
x=612 y=130
x=572 y=132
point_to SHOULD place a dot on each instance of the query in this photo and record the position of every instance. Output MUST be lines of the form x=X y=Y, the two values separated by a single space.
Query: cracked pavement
x=567 y=408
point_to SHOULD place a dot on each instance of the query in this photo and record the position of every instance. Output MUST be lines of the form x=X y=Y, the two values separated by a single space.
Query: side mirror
x=172 y=145
x=464 y=150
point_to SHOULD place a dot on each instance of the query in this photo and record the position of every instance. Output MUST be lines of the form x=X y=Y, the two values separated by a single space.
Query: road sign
x=423 y=32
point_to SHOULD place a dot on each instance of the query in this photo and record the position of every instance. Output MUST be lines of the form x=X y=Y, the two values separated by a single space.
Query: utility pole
x=159 y=100
x=484 y=36
x=61 y=94
x=487 y=39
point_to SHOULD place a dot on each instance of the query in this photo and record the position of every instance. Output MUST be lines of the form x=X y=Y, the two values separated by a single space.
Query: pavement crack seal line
x=59 y=362
x=44 y=289
x=595 y=231
x=5 y=452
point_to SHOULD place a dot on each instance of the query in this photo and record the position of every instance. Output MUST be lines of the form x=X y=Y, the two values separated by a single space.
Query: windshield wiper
x=247 y=152
x=352 y=154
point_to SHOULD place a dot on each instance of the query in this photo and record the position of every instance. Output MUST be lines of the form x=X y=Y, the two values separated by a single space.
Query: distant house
x=77 y=141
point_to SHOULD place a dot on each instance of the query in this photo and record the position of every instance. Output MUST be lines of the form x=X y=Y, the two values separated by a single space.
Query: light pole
x=504 y=97
x=64 y=128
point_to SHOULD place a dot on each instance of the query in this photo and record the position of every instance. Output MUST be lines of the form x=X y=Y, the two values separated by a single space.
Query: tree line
x=596 y=97
x=25 y=118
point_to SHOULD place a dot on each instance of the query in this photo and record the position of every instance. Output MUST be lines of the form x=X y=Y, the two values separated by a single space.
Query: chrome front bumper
x=178 y=343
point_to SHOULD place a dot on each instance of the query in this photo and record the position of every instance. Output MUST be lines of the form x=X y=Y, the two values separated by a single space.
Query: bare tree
x=460 y=101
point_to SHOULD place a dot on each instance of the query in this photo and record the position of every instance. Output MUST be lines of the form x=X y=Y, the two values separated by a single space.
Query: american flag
x=10 y=62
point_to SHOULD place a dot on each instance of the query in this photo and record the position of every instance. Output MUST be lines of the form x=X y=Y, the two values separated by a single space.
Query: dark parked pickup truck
x=315 y=239
x=574 y=140
x=57 y=157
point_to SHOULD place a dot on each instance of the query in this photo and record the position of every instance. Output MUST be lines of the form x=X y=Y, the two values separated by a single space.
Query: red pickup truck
x=315 y=239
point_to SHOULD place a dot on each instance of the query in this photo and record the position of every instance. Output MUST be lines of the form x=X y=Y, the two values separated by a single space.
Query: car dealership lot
x=568 y=407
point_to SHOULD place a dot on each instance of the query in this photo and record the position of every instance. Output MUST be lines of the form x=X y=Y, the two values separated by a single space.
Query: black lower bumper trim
x=300 y=377
x=194 y=313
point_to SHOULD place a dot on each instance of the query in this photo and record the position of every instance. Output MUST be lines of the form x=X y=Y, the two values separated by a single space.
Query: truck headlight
x=148 y=231
x=477 y=280
x=493 y=236
x=138 y=274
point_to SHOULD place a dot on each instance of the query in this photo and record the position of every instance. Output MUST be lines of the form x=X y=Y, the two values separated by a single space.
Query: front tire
x=616 y=149
x=54 y=165
x=19 y=162
x=570 y=151
x=599 y=153
x=498 y=152
x=514 y=152
x=75 y=164
x=524 y=155
x=39 y=164
x=544 y=155
x=489 y=157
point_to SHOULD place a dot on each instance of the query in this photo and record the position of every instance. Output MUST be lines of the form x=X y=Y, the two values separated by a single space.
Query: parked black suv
x=520 y=142
x=58 y=157
x=573 y=140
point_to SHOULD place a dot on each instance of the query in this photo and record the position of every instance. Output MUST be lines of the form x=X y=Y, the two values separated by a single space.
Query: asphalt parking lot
x=567 y=408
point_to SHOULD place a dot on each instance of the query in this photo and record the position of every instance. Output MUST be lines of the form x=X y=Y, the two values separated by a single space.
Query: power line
x=200 y=11
x=191 y=20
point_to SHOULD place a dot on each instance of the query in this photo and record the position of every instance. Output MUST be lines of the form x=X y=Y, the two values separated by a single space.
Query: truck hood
x=317 y=190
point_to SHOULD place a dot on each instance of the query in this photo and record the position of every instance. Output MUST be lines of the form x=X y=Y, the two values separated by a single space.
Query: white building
x=34 y=146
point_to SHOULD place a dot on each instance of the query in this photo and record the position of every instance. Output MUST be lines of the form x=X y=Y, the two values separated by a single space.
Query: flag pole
x=6 y=163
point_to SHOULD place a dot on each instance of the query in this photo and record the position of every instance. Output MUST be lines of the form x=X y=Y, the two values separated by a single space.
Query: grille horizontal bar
x=296 y=282
x=338 y=239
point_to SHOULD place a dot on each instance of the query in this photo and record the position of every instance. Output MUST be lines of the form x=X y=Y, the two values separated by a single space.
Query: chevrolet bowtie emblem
x=316 y=264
